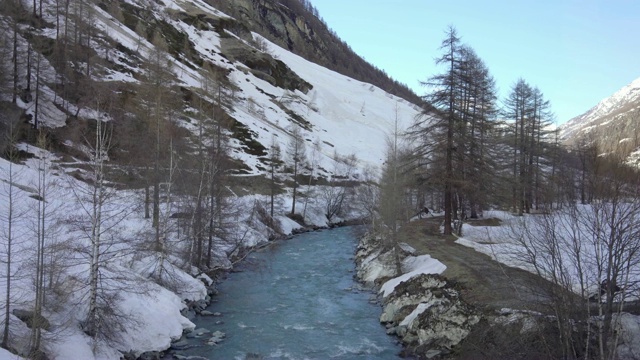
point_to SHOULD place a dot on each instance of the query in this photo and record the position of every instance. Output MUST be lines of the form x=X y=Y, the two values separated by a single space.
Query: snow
x=414 y=266
x=629 y=333
x=159 y=320
x=422 y=307
x=6 y=355
x=153 y=311
x=287 y=225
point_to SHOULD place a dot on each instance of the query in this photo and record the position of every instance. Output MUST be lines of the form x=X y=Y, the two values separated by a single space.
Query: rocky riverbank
x=421 y=307
x=434 y=319
x=427 y=313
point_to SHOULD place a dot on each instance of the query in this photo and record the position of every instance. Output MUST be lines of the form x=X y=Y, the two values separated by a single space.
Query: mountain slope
x=296 y=26
x=613 y=122
x=346 y=116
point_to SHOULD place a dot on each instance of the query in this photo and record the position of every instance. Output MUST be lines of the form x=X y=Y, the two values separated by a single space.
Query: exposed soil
x=485 y=283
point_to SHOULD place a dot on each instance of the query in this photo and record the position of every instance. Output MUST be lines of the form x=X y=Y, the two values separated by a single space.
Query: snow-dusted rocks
x=419 y=306
x=216 y=338
x=427 y=314
x=374 y=262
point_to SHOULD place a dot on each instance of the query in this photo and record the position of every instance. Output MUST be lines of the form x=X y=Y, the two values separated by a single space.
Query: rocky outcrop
x=263 y=65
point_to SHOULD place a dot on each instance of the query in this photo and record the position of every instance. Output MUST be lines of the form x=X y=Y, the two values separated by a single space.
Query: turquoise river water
x=296 y=300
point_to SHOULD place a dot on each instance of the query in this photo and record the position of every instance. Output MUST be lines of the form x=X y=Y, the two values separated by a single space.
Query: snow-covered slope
x=605 y=114
x=344 y=115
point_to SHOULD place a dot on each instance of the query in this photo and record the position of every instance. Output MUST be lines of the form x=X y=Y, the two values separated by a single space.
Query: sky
x=576 y=52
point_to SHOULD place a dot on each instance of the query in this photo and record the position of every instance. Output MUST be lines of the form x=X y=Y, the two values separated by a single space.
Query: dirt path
x=485 y=283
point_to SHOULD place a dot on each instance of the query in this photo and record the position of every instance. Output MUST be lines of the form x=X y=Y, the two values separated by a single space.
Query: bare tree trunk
x=9 y=237
x=15 y=58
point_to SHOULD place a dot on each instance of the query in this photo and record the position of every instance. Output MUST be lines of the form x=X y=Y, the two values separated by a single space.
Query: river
x=296 y=299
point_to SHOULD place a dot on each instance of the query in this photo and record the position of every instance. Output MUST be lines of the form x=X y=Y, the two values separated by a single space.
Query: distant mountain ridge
x=613 y=122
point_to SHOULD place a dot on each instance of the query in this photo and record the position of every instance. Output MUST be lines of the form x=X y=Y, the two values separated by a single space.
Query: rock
x=426 y=310
x=180 y=345
x=217 y=314
x=188 y=313
x=216 y=338
x=200 y=332
x=206 y=313
x=197 y=306
x=212 y=291
x=31 y=319
x=151 y=355
x=432 y=353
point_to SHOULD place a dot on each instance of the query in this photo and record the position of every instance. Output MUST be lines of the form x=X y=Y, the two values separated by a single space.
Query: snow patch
x=414 y=265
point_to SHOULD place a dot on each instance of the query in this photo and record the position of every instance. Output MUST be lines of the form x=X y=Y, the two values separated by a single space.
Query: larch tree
x=440 y=117
x=529 y=114
x=453 y=131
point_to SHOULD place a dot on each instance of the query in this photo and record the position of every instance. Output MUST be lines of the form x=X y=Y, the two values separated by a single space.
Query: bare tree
x=297 y=154
x=8 y=220
x=391 y=197
x=335 y=194
x=313 y=163
x=96 y=226
x=591 y=253
x=275 y=160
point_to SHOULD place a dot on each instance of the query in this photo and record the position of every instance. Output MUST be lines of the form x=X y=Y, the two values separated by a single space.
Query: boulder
x=30 y=318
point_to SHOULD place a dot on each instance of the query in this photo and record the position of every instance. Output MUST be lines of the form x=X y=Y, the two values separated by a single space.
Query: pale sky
x=575 y=52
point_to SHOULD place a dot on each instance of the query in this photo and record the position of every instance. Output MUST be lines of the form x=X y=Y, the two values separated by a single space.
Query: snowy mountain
x=613 y=122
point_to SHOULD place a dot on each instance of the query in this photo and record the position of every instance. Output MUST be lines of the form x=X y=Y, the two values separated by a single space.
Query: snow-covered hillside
x=606 y=111
x=151 y=285
x=344 y=115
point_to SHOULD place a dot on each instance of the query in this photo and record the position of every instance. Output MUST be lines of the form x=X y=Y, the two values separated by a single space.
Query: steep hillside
x=614 y=123
x=268 y=89
x=296 y=26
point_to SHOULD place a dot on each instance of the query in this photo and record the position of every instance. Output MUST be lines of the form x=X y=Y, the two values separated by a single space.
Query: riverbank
x=420 y=307
x=476 y=308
